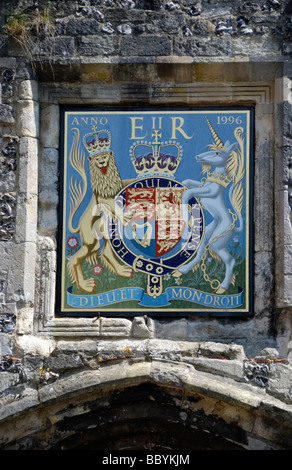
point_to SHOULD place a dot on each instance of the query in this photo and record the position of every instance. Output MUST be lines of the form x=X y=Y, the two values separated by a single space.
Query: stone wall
x=86 y=30
x=231 y=372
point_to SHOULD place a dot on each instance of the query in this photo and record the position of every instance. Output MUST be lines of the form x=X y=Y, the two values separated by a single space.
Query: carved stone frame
x=269 y=99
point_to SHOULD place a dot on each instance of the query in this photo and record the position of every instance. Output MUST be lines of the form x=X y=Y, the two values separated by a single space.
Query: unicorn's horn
x=217 y=139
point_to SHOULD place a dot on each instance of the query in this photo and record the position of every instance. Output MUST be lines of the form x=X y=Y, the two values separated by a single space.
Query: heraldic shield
x=155 y=212
x=156 y=239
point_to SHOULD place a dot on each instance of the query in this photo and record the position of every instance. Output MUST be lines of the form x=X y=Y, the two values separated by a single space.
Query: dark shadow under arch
x=147 y=417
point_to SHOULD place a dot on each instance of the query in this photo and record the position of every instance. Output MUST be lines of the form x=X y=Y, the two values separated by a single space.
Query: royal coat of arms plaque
x=156 y=212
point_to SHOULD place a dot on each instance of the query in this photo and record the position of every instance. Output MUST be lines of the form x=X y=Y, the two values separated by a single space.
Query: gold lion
x=106 y=184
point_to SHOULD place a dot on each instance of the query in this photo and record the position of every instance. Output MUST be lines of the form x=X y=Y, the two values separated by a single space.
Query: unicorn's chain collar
x=218 y=178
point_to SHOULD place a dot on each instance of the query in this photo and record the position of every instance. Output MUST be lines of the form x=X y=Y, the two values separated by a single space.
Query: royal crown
x=97 y=141
x=156 y=158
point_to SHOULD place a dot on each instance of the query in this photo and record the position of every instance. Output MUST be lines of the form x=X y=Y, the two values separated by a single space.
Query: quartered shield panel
x=157 y=223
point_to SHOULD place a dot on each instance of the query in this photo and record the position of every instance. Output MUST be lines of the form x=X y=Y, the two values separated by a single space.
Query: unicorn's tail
x=238 y=228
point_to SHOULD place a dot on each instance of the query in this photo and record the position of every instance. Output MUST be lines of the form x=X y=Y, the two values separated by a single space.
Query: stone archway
x=140 y=405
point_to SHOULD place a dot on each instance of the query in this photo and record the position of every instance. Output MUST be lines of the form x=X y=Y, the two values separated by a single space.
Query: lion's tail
x=77 y=193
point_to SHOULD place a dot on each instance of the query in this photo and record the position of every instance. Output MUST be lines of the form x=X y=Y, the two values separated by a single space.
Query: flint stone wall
x=143 y=52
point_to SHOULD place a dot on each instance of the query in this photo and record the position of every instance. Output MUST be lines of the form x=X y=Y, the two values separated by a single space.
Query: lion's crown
x=97 y=141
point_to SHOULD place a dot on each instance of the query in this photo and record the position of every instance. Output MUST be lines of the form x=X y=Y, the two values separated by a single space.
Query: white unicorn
x=224 y=166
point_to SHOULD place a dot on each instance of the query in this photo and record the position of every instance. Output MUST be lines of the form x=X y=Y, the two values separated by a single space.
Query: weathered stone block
x=83 y=26
x=8 y=380
x=285 y=254
x=164 y=22
x=98 y=46
x=219 y=350
x=28 y=165
x=9 y=308
x=26 y=218
x=34 y=346
x=28 y=90
x=263 y=197
x=51 y=49
x=97 y=73
x=8 y=62
x=175 y=329
x=5 y=344
x=283 y=163
x=283 y=290
x=137 y=46
x=264 y=284
x=202 y=27
x=230 y=368
x=50 y=126
x=65 y=362
x=248 y=45
x=280 y=382
x=21 y=272
x=8 y=184
x=177 y=73
x=27 y=121
x=205 y=47
x=115 y=327
x=283 y=227
x=6 y=114
x=7 y=91
x=143 y=327
x=48 y=197
x=48 y=171
x=69 y=385
x=283 y=122
x=128 y=73
x=48 y=221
